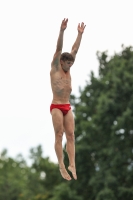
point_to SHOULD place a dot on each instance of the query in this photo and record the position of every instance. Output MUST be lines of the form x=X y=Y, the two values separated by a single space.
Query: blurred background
x=102 y=100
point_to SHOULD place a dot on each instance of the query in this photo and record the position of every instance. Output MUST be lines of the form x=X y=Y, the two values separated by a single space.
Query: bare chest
x=61 y=86
x=60 y=80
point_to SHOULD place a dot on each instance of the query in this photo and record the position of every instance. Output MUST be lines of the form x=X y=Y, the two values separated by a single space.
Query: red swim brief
x=63 y=107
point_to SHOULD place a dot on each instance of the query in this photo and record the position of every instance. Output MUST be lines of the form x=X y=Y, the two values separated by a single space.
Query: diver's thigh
x=57 y=118
x=69 y=124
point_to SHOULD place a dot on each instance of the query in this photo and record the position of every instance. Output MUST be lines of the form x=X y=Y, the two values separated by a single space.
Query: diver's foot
x=64 y=173
x=73 y=171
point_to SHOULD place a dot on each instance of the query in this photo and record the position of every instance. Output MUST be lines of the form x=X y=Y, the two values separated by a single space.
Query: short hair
x=67 y=56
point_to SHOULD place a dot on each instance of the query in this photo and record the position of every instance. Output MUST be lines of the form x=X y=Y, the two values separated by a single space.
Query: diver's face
x=66 y=65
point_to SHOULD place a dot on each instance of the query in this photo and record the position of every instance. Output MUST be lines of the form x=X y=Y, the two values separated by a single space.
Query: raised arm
x=56 y=58
x=76 y=45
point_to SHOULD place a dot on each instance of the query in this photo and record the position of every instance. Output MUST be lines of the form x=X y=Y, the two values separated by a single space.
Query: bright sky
x=28 y=36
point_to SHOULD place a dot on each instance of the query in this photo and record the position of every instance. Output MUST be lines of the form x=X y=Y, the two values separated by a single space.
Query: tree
x=18 y=181
x=46 y=172
x=63 y=192
x=12 y=177
x=104 y=130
